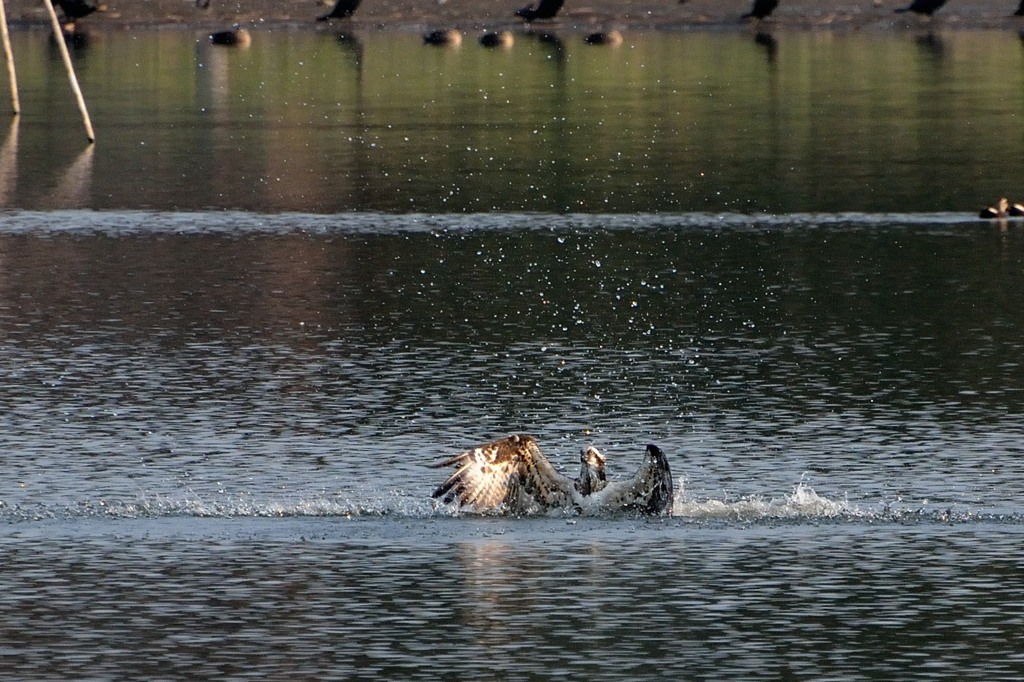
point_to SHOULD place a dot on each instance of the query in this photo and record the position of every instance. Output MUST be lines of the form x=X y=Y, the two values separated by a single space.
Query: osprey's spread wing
x=510 y=472
x=647 y=492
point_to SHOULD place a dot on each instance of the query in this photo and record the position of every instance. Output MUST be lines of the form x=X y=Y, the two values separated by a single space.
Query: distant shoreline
x=577 y=15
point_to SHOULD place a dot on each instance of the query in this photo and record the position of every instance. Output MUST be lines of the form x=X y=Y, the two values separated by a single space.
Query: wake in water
x=803 y=504
x=124 y=223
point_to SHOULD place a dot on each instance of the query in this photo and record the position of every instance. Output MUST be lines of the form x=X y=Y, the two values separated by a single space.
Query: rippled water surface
x=215 y=423
x=216 y=426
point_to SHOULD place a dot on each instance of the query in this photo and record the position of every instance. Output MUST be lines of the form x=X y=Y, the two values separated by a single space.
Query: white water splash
x=803 y=502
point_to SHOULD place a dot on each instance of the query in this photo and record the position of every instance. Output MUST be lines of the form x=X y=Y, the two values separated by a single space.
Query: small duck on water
x=234 y=37
x=449 y=37
x=612 y=38
x=497 y=39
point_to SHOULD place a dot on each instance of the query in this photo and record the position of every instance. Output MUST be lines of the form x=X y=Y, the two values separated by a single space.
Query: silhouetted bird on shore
x=75 y=9
x=761 y=9
x=343 y=9
x=928 y=7
x=545 y=9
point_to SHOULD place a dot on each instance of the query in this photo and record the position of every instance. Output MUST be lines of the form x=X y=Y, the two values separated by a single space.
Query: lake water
x=287 y=278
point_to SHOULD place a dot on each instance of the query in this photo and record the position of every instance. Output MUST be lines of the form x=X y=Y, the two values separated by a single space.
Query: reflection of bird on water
x=447 y=36
x=343 y=9
x=997 y=211
x=235 y=37
x=497 y=39
x=612 y=38
x=761 y=9
x=512 y=474
x=551 y=39
x=545 y=9
x=768 y=42
x=932 y=44
x=927 y=7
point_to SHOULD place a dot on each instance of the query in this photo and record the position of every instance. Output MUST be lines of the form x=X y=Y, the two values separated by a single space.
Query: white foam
x=803 y=502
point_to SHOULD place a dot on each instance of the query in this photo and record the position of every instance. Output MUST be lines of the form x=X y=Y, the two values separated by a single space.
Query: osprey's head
x=592 y=457
x=592 y=476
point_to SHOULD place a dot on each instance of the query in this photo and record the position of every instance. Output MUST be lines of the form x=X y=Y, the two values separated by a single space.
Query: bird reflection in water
x=768 y=43
x=932 y=45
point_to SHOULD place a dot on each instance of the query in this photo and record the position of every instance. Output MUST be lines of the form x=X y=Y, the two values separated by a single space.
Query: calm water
x=235 y=332
x=305 y=122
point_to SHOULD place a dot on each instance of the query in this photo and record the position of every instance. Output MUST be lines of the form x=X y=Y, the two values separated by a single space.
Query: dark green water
x=667 y=122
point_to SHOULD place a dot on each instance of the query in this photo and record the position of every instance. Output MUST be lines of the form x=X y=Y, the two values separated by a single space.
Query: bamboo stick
x=58 y=35
x=9 y=53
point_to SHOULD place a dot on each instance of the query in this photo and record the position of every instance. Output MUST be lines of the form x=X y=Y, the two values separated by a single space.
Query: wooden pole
x=15 y=103
x=58 y=35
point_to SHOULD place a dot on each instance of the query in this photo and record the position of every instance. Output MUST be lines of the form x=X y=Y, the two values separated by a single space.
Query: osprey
x=512 y=474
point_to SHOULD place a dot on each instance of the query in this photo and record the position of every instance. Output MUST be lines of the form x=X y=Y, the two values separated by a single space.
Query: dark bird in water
x=236 y=37
x=512 y=475
x=1016 y=210
x=75 y=9
x=761 y=9
x=343 y=9
x=497 y=39
x=612 y=38
x=545 y=9
x=447 y=36
x=997 y=211
x=928 y=7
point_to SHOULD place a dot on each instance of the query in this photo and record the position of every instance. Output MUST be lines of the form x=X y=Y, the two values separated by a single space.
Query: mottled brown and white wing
x=510 y=474
x=647 y=492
